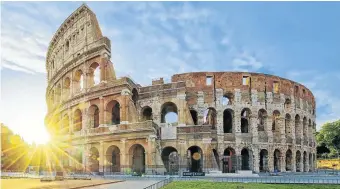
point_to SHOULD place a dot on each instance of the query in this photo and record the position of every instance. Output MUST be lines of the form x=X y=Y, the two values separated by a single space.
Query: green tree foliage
x=329 y=136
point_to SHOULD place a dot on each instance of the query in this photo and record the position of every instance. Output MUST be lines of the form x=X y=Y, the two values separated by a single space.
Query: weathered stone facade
x=266 y=122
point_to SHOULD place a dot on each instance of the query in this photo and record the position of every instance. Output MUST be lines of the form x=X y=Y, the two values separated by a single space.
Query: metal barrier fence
x=159 y=184
x=274 y=180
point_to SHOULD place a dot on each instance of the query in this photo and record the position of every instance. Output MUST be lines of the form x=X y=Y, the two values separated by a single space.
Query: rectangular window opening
x=276 y=87
x=208 y=80
x=245 y=80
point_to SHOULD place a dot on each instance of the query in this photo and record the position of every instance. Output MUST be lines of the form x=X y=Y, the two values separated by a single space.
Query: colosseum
x=199 y=122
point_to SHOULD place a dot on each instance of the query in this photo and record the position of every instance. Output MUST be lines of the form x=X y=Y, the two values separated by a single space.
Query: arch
x=146 y=113
x=78 y=80
x=304 y=124
x=297 y=125
x=195 y=159
x=245 y=156
x=65 y=124
x=170 y=159
x=305 y=163
x=288 y=124
x=310 y=161
x=194 y=116
x=135 y=96
x=298 y=161
x=277 y=160
x=210 y=117
x=113 y=158
x=287 y=104
x=94 y=159
x=262 y=120
x=66 y=87
x=228 y=115
x=94 y=74
x=289 y=161
x=94 y=116
x=137 y=158
x=113 y=108
x=276 y=116
x=77 y=120
x=229 y=152
x=227 y=166
x=169 y=113
x=58 y=94
x=245 y=120
x=264 y=161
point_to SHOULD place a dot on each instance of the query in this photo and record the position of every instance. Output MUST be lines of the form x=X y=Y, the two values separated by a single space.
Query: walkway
x=129 y=184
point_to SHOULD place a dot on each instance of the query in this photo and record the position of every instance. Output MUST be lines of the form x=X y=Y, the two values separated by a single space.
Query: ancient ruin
x=224 y=121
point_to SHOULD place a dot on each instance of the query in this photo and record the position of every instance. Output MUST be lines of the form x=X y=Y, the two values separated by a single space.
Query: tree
x=329 y=135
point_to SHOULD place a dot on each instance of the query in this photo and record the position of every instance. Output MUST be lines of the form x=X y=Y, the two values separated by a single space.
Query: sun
x=38 y=136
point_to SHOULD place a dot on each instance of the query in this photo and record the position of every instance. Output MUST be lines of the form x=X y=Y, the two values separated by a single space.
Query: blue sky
x=296 y=40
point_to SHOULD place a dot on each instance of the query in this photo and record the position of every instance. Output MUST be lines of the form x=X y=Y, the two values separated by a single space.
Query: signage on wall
x=193 y=173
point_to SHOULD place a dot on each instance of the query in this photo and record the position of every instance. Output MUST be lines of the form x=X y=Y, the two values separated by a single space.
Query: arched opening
x=137 y=160
x=194 y=116
x=170 y=159
x=287 y=104
x=67 y=46
x=227 y=164
x=228 y=121
x=65 y=124
x=78 y=81
x=277 y=160
x=66 y=88
x=264 y=160
x=275 y=122
x=210 y=117
x=298 y=161
x=217 y=159
x=58 y=94
x=134 y=96
x=77 y=120
x=310 y=128
x=289 y=156
x=226 y=100
x=297 y=126
x=195 y=159
x=169 y=113
x=94 y=159
x=245 y=159
x=288 y=128
x=94 y=74
x=113 y=159
x=146 y=113
x=304 y=123
x=94 y=116
x=305 y=163
x=113 y=107
x=310 y=162
x=245 y=120
x=262 y=120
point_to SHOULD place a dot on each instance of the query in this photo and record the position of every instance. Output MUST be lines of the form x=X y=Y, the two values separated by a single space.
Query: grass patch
x=224 y=185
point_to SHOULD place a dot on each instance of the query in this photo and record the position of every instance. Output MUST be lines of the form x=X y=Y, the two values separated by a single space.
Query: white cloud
x=246 y=62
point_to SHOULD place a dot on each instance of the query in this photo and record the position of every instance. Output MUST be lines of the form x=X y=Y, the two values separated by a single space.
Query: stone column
x=271 y=160
x=101 y=157
x=123 y=155
x=283 y=162
x=281 y=125
x=254 y=131
x=269 y=129
x=256 y=160
x=293 y=160
x=101 y=111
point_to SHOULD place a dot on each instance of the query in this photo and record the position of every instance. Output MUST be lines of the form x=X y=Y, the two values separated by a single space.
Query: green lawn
x=226 y=185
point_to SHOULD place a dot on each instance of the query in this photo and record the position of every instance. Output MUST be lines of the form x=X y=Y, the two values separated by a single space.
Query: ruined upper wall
x=72 y=38
x=229 y=81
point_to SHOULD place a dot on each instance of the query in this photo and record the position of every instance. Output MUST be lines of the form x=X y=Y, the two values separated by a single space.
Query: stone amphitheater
x=198 y=122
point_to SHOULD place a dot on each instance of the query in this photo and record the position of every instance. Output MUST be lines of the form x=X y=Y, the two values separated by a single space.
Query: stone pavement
x=129 y=184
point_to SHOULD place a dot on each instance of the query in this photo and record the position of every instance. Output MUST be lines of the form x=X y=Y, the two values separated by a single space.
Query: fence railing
x=159 y=184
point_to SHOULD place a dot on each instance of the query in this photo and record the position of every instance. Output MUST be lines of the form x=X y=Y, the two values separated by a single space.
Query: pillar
x=101 y=111
x=256 y=160
x=123 y=154
x=101 y=157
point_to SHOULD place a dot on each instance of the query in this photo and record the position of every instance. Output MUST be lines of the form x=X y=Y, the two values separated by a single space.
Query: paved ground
x=129 y=184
